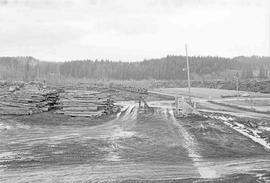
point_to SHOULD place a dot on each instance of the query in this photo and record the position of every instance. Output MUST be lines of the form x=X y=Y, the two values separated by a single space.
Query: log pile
x=129 y=88
x=83 y=103
x=26 y=99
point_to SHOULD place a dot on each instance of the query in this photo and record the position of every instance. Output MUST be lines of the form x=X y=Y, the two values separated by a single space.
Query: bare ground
x=135 y=146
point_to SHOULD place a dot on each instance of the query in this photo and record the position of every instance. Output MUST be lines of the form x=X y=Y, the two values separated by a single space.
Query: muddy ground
x=136 y=145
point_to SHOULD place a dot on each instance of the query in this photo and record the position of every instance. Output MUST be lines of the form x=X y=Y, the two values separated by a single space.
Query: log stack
x=83 y=103
x=27 y=99
x=129 y=88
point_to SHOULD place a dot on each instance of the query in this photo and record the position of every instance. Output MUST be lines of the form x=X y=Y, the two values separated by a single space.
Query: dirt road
x=137 y=145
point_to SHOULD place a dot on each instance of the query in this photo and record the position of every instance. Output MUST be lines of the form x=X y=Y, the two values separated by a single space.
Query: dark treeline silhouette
x=167 y=68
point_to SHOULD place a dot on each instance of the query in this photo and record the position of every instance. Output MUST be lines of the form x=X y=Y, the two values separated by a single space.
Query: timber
x=84 y=103
x=26 y=98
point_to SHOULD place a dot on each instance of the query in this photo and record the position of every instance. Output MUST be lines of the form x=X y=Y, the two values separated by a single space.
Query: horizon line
x=145 y=59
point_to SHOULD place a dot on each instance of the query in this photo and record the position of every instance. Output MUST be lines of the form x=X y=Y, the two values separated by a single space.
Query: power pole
x=237 y=84
x=189 y=94
x=38 y=71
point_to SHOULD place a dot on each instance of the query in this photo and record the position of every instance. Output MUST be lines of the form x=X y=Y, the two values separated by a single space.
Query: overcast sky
x=132 y=30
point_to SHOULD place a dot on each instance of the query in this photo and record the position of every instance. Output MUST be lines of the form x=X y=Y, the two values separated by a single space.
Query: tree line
x=168 y=68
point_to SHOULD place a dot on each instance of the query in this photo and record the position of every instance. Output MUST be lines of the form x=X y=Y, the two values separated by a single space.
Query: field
x=224 y=144
x=207 y=93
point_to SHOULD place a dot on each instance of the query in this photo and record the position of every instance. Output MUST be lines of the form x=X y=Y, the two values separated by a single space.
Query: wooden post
x=188 y=75
x=140 y=101
x=176 y=105
x=145 y=103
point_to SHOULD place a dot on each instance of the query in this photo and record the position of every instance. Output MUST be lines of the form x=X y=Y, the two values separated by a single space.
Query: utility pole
x=189 y=94
x=237 y=84
x=38 y=70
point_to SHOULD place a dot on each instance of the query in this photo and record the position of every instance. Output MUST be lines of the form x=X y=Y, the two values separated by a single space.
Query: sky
x=133 y=30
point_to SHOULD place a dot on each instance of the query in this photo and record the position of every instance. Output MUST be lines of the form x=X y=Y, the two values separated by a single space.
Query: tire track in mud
x=33 y=143
x=123 y=135
x=190 y=143
x=151 y=132
x=125 y=120
x=162 y=133
x=115 y=130
x=129 y=119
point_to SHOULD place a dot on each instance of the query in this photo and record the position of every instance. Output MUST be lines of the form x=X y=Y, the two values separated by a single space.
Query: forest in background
x=167 y=68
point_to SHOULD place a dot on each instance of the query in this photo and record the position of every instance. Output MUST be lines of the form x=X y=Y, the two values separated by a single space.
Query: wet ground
x=136 y=146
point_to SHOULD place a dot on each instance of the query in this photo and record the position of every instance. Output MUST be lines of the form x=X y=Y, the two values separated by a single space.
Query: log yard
x=100 y=133
x=135 y=91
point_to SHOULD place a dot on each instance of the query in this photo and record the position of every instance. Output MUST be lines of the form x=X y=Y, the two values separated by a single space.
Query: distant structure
x=182 y=106
x=141 y=100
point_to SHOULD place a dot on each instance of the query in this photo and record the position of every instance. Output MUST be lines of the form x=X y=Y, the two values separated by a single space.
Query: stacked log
x=27 y=99
x=129 y=88
x=82 y=103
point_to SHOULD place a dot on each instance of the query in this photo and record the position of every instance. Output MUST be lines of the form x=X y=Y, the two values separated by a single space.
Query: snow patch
x=63 y=137
x=207 y=173
x=264 y=128
x=4 y=126
x=246 y=132
x=113 y=156
x=190 y=145
x=58 y=152
x=120 y=133
x=22 y=126
x=7 y=155
x=10 y=126
x=253 y=134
